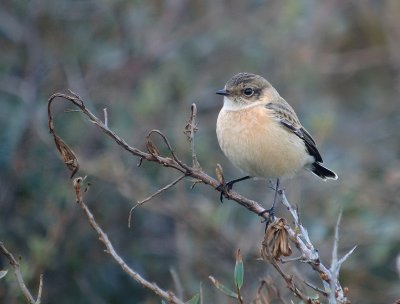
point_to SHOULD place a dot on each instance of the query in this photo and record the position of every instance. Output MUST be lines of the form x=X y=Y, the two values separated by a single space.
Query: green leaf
x=194 y=300
x=3 y=273
x=163 y=302
x=223 y=288
x=239 y=270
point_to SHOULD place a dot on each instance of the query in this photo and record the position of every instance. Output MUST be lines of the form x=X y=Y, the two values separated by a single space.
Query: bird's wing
x=286 y=116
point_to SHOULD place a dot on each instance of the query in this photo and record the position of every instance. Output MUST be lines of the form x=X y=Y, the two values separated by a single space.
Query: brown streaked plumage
x=261 y=134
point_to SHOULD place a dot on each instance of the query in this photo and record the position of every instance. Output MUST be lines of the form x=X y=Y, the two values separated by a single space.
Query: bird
x=260 y=133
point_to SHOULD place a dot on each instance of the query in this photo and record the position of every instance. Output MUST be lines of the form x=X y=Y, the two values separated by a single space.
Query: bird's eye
x=248 y=92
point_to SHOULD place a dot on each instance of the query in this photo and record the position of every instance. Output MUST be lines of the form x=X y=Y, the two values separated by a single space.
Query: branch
x=166 y=295
x=329 y=277
x=299 y=235
x=174 y=162
x=190 y=129
x=17 y=271
x=152 y=196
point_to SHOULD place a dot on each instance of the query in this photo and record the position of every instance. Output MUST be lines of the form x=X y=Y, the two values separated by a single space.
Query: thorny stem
x=329 y=277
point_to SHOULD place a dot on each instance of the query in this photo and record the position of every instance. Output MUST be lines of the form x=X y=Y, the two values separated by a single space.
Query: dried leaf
x=151 y=148
x=220 y=174
x=67 y=154
x=276 y=241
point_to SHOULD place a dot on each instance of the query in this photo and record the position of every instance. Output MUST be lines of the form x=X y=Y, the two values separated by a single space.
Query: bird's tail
x=322 y=172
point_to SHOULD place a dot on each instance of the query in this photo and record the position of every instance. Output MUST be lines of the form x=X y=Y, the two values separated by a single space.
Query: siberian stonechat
x=260 y=133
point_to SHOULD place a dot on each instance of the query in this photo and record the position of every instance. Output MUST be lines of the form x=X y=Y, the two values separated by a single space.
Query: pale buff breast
x=258 y=145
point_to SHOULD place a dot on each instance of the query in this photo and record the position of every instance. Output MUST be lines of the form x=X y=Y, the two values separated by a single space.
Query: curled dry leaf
x=276 y=241
x=66 y=152
x=151 y=147
x=67 y=155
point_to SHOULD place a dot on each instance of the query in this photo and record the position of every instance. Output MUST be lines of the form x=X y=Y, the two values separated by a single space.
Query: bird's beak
x=222 y=92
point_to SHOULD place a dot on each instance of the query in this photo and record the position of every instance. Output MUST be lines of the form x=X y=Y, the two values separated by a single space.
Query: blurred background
x=336 y=62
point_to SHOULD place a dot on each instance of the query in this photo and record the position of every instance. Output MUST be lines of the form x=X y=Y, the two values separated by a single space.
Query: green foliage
x=223 y=288
x=239 y=270
x=238 y=277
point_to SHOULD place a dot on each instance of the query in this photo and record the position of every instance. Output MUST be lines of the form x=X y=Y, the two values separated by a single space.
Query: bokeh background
x=336 y=62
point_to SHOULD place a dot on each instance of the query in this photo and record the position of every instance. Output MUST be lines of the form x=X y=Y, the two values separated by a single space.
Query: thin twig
x=171 y=150
x=290 y=283
x=330 y=277
x=152 y=196
x=177 y=283
x=166 y=295
x=316 y=288
x=17 y=271
x=288 y=260
x=190 y=129
x=105 y=117
x=336 y=264
x=39 y=296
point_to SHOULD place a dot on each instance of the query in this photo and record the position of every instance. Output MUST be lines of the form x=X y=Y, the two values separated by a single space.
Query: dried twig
x=166 y=295
x=152 y=196
x=316 y=288
x=190 y=129
x=336 y=264
x=251 y=205
x=17 y=271
x=105 y=117
x=290 y=283
x=177 y=282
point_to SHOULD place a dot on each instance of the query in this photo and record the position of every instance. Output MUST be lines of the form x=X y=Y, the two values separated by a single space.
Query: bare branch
x=17 y=271
x=39 y=296
x=190 y=129
x=316 y=288
x=166 y=295
x=336 y=264
x=152 y=196
x=105 y=117
x=177 y=282
x=299 y=235
x=196 y=174
x=290 y=283
x=329 y=277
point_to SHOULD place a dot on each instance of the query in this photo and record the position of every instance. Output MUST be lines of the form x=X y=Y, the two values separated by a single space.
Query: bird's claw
x=271 y=215
x=224 y=189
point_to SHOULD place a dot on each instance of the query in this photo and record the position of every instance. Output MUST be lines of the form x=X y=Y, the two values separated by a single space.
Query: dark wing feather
x=287 y=117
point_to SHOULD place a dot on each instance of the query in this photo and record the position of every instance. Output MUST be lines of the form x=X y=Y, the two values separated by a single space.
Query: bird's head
x=246 y=89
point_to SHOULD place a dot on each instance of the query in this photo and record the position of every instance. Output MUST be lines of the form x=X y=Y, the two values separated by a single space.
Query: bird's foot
x=271 y=215
x=224 y=189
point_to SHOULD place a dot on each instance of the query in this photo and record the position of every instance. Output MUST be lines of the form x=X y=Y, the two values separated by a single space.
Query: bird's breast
x=259 y=145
